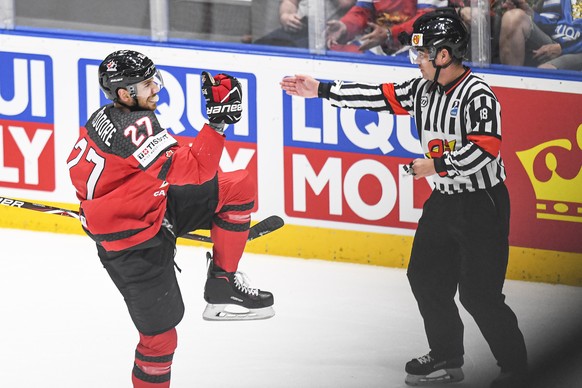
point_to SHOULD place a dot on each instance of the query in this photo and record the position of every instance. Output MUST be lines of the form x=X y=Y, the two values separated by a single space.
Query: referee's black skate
x=230 y=298
x=426 y=370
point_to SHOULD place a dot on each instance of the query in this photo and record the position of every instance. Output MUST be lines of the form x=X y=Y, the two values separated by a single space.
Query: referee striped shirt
x=459 y=125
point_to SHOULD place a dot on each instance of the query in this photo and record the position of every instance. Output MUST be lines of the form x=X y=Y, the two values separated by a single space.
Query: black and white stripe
x=467 y=110
x=351 y=95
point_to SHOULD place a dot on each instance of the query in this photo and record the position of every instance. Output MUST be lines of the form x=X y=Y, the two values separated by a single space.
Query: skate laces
x=426 y=359
x=241 y=281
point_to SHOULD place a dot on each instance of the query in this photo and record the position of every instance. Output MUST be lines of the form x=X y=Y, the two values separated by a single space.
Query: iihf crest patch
x=455 y=108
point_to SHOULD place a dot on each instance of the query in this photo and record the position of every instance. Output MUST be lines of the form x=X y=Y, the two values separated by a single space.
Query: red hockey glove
x=223 y=95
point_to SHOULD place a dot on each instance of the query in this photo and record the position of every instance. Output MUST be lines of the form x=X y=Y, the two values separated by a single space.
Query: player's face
x=147 y=93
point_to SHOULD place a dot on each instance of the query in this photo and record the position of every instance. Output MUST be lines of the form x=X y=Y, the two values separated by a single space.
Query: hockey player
x=139 y=190
x=462 y=237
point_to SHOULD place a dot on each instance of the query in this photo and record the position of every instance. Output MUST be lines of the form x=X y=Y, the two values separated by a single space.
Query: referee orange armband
x=439 y=166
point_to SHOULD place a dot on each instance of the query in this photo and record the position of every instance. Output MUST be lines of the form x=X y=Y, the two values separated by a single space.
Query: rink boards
x=333 y=175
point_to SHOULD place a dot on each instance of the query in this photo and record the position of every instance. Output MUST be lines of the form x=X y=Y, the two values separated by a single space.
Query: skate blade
x=442 y=376
x=227 y=312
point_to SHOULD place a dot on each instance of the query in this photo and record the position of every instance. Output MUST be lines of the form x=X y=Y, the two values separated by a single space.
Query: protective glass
x=139 y=87
x=158 y=80
x=419 y=54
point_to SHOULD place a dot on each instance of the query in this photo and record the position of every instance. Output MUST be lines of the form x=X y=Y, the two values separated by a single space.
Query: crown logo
x=557 y=198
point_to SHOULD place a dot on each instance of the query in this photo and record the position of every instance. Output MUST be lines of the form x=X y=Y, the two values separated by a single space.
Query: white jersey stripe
x=447 y=116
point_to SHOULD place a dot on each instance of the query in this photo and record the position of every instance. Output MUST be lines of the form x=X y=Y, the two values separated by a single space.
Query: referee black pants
x=462 y=243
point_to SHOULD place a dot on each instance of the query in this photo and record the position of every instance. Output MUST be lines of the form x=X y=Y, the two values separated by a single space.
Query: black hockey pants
x=462 y=242
x=145 y=274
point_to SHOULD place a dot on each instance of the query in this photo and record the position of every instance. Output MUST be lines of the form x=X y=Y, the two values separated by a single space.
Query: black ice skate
x=426 y=370
x=231 y=299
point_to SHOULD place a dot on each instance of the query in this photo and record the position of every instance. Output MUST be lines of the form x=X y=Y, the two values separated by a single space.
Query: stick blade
x=266 y=226
x=261 y=228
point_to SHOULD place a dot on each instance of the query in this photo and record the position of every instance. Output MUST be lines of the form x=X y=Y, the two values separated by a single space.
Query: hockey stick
x=261 y=228
x=266 y=226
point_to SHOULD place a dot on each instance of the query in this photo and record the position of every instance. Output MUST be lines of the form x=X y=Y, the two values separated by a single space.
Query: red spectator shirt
x=382 y=12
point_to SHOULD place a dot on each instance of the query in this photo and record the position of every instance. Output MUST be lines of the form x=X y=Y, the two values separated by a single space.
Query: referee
x=462 y=237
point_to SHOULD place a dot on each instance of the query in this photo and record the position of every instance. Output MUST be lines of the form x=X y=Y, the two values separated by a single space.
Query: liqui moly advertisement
x=346 y=165
x=27 y=144
x=315 y=165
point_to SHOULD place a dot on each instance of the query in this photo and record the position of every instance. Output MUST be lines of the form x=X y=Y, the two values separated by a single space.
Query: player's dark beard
x=133 y=108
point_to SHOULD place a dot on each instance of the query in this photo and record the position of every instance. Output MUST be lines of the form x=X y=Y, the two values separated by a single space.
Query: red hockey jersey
x=121 y=167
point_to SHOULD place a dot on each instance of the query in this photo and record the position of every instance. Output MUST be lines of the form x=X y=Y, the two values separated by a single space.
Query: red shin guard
x=237 y=192
x=153 y=360
x=228 y=247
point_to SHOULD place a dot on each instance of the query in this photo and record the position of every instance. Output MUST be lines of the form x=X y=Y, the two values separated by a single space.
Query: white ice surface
x=63 y=323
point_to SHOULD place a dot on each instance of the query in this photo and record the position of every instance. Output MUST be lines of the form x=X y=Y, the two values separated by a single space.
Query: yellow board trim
x=559 y=217
x=386 y=250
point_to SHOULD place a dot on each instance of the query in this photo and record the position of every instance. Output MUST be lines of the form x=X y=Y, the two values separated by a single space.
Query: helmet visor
x=419 y=54
x=156 y=79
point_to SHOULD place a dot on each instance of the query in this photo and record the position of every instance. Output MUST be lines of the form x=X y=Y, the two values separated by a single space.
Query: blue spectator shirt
x=562 y=21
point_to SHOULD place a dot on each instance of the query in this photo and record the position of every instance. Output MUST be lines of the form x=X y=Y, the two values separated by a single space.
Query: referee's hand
x=422 y=168
x=300 y=85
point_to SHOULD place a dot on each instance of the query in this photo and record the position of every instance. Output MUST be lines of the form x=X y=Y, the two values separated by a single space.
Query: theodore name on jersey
x=103 y=127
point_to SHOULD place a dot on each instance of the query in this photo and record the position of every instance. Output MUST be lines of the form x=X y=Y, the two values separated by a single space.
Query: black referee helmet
x=441 y=28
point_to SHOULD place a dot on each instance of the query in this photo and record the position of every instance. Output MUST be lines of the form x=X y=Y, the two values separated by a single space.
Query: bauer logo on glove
x=223 y=95
x=223 y=109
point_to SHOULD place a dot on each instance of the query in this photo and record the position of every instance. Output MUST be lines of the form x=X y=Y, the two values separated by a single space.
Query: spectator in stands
x=294 y=31
x=373 y=24
x=549 y=39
